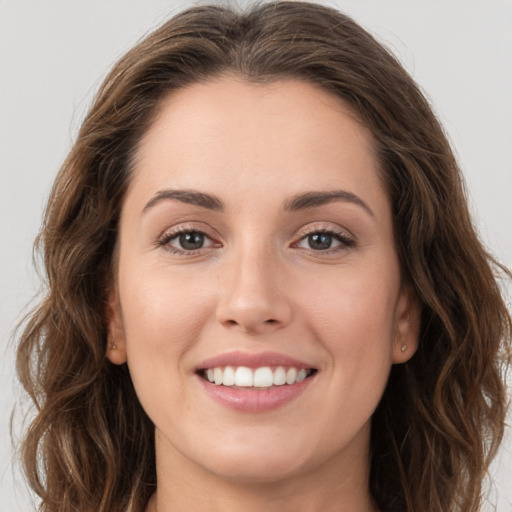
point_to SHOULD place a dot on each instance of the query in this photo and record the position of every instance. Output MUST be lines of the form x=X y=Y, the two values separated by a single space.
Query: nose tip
x=251 y=321
x=253 y=301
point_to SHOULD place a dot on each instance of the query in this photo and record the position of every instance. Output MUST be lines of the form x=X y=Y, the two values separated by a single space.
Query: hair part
x=441 y=419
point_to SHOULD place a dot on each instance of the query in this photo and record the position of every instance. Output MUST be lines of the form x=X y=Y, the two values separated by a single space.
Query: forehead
x=285 y=136
x=300 y=109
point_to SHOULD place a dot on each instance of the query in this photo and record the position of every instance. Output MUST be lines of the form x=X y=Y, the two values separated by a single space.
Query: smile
x=262 y=377
x=255 y=382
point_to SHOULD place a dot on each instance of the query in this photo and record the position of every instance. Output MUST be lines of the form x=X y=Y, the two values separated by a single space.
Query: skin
x=258 y=285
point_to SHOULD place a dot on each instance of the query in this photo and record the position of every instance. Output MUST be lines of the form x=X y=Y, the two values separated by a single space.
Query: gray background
x=54 y=53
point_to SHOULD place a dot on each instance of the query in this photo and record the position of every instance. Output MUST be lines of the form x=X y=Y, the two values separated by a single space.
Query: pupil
x=191 y=240
x=320 y=241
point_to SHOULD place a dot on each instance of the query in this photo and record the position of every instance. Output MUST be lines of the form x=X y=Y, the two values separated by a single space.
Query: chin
x=257 y=470
x=258 y=462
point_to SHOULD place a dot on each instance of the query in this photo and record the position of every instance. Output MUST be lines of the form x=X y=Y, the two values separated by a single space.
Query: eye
x=185 y=241
x=325 y=241
x=190 y=241
x=320 y=241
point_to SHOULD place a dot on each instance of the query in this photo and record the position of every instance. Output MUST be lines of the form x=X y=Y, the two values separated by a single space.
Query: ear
x=116 y=342
x=407 y=325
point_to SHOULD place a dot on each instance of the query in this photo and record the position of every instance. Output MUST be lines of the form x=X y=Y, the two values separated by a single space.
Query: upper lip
x=257 y=360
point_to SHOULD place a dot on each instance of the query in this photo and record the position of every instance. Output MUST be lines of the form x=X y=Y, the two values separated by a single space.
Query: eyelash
x=346 y=241
x=165 y=240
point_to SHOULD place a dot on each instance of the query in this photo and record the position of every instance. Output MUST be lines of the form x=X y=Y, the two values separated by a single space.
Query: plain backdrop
x=54 y=53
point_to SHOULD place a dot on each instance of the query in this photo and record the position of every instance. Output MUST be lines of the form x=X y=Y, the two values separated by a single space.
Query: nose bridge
x=252 y=296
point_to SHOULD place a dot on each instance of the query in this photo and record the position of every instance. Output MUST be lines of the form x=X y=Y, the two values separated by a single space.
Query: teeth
x=229 y=376
x=218 y=376
x=301 y=375
x=279 y=376
x=243 y=376
x=263 y=377
x=291 y=375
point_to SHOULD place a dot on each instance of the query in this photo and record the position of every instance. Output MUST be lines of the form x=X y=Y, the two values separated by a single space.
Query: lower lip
x=255 y=400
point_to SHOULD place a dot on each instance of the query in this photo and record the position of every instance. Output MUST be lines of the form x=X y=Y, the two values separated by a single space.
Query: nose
x=252 y=296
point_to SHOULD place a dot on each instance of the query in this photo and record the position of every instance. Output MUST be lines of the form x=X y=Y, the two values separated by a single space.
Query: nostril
x=270 y=321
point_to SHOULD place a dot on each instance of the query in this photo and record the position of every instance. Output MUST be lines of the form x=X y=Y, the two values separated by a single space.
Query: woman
x=258 y=254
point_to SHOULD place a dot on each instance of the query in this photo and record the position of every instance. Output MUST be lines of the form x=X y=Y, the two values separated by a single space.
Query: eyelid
x=344 y=236
x=164 y=239
x=325 y=228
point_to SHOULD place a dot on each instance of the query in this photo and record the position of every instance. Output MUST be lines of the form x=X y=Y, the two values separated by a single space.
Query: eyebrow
x=207 y=201
x=313 y=199
x=296 y=203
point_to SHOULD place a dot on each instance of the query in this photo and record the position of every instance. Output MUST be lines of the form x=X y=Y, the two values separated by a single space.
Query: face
x=256 y=251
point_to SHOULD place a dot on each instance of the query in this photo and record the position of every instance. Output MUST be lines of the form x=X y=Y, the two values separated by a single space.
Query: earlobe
x=407 y=326
x=116 y=343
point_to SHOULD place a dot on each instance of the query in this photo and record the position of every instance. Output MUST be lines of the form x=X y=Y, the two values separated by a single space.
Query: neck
x=332 y=487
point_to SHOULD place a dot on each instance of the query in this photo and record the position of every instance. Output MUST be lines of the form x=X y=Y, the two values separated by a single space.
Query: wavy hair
x=90 y=446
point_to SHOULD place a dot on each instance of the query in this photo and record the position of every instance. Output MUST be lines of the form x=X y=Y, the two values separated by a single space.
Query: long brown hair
x=90 y=445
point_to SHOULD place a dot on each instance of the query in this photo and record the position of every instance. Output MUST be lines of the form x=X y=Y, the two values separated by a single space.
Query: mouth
x=255 y=382
x=263 y=377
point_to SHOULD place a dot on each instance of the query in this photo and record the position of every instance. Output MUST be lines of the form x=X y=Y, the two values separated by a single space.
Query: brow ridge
x=319 y=198
x=208 y=201
x=299 y=202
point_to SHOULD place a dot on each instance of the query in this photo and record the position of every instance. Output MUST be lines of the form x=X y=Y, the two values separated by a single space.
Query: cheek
x=163 y=319
x=162 y=315
x=354 y=322
x=356 y=312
